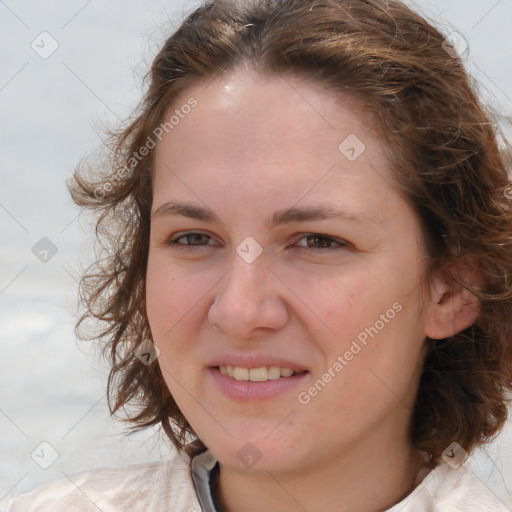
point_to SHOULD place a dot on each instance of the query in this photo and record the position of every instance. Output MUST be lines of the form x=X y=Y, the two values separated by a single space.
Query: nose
x=248 y=301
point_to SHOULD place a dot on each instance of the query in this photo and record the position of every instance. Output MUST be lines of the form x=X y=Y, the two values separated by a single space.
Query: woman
x=307 y=281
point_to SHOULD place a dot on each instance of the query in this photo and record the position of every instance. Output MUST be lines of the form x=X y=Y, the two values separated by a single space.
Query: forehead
x=244 y=103
x=285 y=136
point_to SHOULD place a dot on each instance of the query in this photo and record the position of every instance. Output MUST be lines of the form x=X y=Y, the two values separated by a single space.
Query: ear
x=453 y=308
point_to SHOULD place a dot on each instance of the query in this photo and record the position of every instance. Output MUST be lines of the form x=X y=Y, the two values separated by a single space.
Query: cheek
x=170 y=295
x=170 y=309
x=369 y=316
x=159 y=298
x=345 y=302
x=166 y=307
x=177 y=303
x=384 y=355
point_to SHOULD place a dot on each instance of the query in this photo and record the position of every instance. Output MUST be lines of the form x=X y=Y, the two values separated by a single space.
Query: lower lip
x=247 y=390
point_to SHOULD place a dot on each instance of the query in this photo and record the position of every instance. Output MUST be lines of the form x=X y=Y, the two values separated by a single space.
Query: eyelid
x=341 y=243
x=173 y=241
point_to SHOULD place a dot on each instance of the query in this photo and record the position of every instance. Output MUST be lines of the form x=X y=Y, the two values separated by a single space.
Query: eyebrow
x=285 y=216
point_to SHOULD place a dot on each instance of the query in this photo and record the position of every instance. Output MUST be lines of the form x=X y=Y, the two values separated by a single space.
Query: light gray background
x=51 y=111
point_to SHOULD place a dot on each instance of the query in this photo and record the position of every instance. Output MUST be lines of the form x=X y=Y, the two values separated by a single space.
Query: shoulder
x=447 y=489
x=161 y=485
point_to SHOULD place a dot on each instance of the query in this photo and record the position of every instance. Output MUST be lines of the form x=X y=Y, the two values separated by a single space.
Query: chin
x=253 y=453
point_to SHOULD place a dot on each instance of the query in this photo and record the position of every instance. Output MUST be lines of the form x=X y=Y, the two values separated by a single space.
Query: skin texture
x=253 y=146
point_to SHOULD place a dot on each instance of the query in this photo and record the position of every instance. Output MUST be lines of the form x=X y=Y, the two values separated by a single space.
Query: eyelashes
x=190 y=236
x=322 y=239
x=313 y=242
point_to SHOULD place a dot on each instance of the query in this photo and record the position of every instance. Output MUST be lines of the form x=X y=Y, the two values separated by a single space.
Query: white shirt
x=174 y=485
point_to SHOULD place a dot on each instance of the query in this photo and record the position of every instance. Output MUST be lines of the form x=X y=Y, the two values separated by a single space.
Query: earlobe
x=452 y=306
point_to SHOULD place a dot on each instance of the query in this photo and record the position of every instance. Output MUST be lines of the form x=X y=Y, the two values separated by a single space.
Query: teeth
x=240 y=373
x=256 y=374
x=274 y=372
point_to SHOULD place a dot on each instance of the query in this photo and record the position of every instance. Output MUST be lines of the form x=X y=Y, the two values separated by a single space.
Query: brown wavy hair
x=441 y=142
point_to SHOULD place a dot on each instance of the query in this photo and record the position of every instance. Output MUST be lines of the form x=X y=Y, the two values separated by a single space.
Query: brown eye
x=195 y=239
x=317 y=241
x=190 y=240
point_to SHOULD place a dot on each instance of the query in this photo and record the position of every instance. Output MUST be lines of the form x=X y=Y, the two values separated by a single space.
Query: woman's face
x=279 y=244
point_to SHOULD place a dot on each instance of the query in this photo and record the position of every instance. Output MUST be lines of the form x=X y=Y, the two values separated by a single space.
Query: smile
x=261 y=374
x=241 y=383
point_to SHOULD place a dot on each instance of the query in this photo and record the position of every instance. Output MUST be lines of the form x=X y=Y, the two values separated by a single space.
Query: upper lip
x=255 y=361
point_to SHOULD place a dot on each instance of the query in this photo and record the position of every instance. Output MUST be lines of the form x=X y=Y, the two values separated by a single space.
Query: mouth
x=242 y=384
x=261 y=374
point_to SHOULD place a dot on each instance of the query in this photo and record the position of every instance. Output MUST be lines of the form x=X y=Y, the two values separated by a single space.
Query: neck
x=371 y=476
